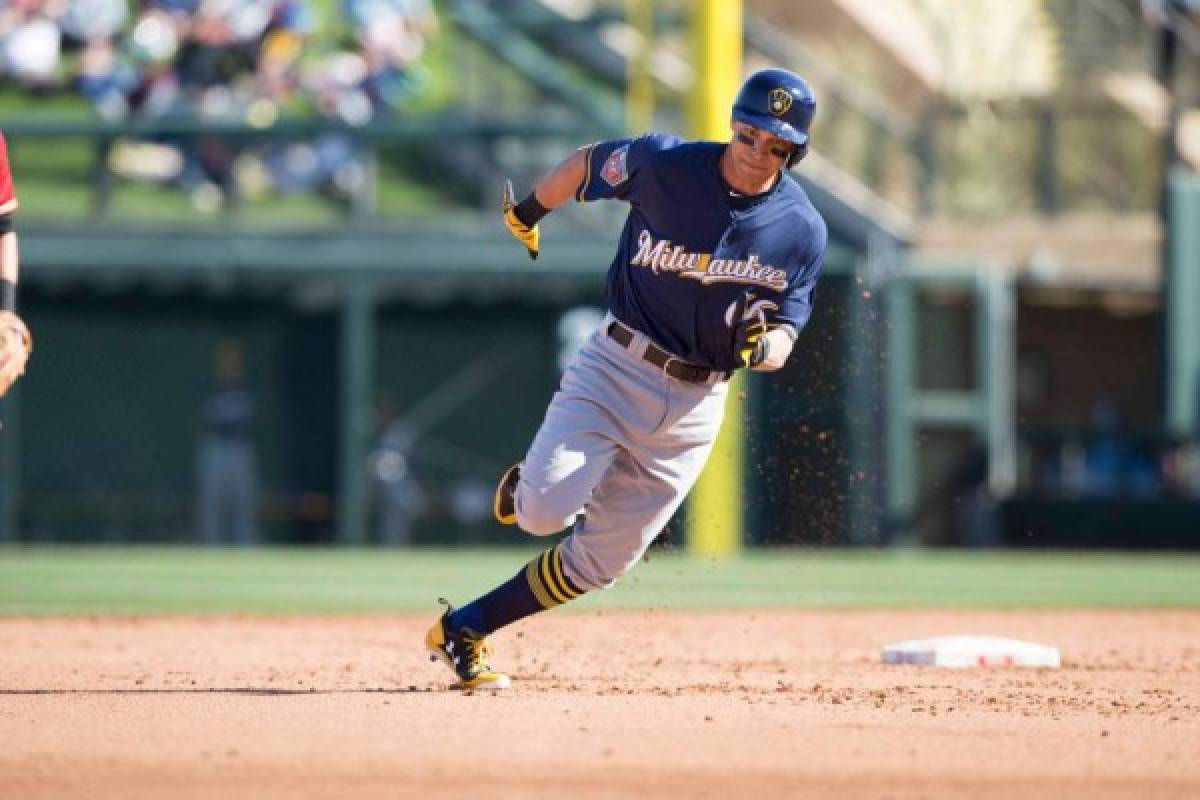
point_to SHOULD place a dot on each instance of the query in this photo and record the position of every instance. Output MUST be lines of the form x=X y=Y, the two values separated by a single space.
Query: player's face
x=756 y=156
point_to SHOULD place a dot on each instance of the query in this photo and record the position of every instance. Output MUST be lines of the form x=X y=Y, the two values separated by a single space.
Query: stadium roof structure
x=986 y=48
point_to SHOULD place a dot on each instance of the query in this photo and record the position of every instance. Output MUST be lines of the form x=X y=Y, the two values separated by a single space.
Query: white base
x=972 y=651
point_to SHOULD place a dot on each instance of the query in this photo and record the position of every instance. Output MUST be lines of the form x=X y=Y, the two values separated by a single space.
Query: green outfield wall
x=109 y=415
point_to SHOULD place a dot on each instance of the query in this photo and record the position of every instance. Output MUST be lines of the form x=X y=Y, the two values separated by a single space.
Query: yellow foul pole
x=714 y=518
x=639 y=92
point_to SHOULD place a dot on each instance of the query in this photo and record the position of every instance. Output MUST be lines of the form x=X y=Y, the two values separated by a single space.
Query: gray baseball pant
x=620 y=447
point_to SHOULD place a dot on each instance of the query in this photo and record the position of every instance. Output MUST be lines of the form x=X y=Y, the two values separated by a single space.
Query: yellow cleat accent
x=466 y=654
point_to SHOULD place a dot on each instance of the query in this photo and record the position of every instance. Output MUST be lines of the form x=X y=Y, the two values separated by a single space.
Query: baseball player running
x=714 y=272
x=15 y=342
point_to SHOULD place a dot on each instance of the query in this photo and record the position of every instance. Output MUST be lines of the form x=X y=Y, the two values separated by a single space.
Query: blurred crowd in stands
x=245 y=60
x=1108 y=461
x=1102 y=465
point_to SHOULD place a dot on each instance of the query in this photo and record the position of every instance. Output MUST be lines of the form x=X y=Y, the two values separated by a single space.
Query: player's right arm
x=550 y=192
x=559 y=186
x=593 y=172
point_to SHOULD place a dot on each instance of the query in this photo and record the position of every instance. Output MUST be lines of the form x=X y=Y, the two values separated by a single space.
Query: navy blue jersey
x=688 y=251
x=229 y=412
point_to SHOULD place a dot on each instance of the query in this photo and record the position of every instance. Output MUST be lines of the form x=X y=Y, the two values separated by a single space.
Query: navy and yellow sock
x=542 y=584
x=549 y=581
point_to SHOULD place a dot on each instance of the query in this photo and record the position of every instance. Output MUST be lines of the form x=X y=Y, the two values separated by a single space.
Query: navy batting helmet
x=778 y=101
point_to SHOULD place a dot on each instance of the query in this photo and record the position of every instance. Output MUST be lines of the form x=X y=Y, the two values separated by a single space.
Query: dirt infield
x=612 y=704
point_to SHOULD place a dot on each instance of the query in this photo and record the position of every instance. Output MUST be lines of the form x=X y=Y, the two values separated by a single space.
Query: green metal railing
x=419 y=133
x=984 y=407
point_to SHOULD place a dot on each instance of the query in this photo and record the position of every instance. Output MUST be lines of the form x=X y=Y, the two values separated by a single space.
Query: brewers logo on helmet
x=780 y=100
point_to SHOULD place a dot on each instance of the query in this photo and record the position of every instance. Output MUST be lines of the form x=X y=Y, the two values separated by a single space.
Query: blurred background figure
x=575 y=326
x=227 y=470
x=1182 y=468
x=961 y=509
x=470 y=501
x=399 y=498
x=973 y=505
x=331 y=162
x=92 y=28
x=31 y=42
x=1107 y=456
x=391 y=36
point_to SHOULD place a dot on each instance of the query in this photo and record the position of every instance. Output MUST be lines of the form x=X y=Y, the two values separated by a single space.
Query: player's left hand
x=525 y=234
x=750 y=344
x=15 y=346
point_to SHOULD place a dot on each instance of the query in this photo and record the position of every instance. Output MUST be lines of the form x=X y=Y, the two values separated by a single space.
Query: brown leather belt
x=670 y=364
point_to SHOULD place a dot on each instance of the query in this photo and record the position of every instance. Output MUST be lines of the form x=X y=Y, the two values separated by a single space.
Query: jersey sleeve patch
x=616 y=169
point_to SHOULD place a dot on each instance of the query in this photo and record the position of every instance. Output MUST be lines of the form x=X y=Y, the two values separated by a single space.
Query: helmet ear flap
x=797 y=154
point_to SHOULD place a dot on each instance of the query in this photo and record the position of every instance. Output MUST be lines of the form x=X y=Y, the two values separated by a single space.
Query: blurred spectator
x=227 y=474
x=1167 y=14
x=277 y=73
x=336 y=84
x=1071 y=477
x=1181 y=463
x=1115 y=465
x=151 y=87
x=92 y=28
x=85 y=22
x=471 y=501
x=1106 y=453
x=961 y=509
x=391 y=36
x=31 y=41
x=220 y=45
x=974 y=505
x=399 y=498
x=1182 y=467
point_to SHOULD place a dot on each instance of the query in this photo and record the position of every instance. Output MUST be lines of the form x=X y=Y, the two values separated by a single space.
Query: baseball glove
x=526 y=235
x=15 y=346
x=749 y=343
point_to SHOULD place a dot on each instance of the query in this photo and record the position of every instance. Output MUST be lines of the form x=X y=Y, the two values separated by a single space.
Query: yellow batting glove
x=524 y=234
x=753 y=349
x=749 y=343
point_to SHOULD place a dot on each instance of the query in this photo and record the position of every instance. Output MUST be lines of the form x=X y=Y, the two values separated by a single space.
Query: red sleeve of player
x=8 y=197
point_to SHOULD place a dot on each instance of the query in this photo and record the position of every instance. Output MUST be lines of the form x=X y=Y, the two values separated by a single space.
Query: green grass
x=157 y=580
